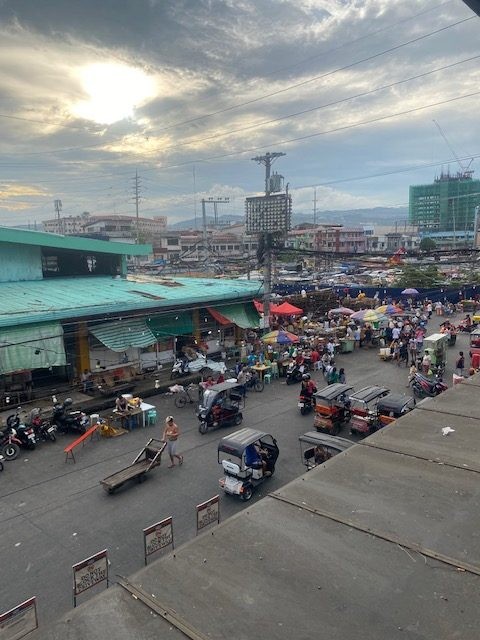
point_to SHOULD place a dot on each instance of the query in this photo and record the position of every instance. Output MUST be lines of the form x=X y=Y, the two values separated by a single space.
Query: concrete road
x=54 y=514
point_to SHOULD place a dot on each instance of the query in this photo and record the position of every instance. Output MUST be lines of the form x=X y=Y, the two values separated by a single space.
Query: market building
x=68 y=306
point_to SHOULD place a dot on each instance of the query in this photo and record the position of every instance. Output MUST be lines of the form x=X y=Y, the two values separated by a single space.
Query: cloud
x=209 y=62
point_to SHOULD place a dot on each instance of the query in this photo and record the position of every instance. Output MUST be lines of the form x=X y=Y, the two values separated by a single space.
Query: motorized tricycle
x=363 y=406
x=316 y=448
x=475 y=348
x=248 y=458
x=436 y=346
x=332 y=408
x=220 y=405
x=393 y=406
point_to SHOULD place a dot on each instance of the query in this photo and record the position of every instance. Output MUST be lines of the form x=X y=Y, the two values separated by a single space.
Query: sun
x=114 y=91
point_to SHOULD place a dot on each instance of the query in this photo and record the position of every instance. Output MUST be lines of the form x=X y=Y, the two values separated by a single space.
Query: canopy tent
x=171 y=324
x=34 y=346
x=287 y=309
x=244 y=315
x=123 y=334
x=280 y=337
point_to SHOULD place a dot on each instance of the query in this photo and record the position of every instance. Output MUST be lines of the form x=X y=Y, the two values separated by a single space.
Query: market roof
x=74 y=243
x=99 y=296
x=379 y=542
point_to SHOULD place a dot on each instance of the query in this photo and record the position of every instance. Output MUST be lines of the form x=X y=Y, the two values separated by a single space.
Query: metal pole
x=204 y=226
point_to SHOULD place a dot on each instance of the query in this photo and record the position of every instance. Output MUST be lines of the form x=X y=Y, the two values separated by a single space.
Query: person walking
x=341 y=376
x=412 y=349
x=170 y=436
x=460 y=364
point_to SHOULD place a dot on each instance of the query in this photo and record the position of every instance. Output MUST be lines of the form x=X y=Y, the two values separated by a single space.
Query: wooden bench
x=89 y=433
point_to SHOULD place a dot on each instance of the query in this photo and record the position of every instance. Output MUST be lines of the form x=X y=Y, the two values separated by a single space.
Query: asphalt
x=53 y=514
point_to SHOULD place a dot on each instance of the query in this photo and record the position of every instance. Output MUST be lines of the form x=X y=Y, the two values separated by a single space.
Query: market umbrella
x=287 y=309
x=341 y=311
x=389 y=309
x=410 y=292
x=368 y=315
x=280 y=337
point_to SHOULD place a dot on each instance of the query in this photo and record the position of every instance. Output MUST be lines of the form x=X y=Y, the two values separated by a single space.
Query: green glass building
x=445 y=210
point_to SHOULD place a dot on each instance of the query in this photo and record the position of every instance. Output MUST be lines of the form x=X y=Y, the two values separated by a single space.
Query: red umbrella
x=287 y=309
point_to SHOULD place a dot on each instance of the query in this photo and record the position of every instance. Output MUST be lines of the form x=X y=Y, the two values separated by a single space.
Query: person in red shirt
x=314 y=359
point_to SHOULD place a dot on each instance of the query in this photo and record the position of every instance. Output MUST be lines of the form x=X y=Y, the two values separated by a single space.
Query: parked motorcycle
x=9 y=444
x=67 y=420
x=1 y=462
x=424 y=387
x=24 y=433
x=180 y=368
x=43 y=428
x=294 y=373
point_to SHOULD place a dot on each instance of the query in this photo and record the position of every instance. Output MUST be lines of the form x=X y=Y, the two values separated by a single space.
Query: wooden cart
x=148 y=458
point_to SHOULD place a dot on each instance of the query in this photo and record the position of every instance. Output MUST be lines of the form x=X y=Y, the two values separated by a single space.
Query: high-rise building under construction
x=445 y=209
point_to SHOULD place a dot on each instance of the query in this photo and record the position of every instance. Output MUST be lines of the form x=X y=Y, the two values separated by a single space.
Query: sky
x=187 y=92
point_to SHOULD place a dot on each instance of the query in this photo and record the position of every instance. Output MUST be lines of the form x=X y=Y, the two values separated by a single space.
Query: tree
x=418 y=276
x=427 y=244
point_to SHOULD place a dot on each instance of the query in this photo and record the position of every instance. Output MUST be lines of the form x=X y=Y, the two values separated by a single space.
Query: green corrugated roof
x=43 y=239
x=72 y=298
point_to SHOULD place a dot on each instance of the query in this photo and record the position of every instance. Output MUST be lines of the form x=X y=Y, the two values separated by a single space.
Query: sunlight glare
x=114 y=91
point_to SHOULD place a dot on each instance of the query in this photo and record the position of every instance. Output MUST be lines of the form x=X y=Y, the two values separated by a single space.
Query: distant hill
x=377 y=215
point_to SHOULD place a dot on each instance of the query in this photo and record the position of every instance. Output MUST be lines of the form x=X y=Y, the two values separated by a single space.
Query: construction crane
x=397 y=257
x=466 y=171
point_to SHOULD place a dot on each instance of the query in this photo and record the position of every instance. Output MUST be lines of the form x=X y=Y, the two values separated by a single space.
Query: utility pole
x=195 y=196
x=204 y=228
x=315 y=205
x=58 y=209
x=267 y=160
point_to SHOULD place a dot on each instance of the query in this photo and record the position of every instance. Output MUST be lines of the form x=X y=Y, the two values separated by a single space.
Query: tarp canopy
x=287 y=309
x=171 y=324
x=244 y=315
x=35 y=346
x=218 y=316
x=121 y=335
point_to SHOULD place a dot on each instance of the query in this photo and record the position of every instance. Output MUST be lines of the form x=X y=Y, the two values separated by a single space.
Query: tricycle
x=393 y=406
x=475 y=347
x=316 y=448
x=220 y=405
x=436 y=346
x=248 y=458
x=363 y=406
x=332 y=407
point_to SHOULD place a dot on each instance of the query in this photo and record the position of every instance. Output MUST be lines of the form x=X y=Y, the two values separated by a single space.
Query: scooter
x=305 y=404
x=1 y=462
x=294 y=373
x=66 y=420
x=180 y=368
x=25 y=434
x=44 y=429
x=424 y=387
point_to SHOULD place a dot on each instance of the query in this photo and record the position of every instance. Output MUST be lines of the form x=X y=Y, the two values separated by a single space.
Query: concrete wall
x=20 y=262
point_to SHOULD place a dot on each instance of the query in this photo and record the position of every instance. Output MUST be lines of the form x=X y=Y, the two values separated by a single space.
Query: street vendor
x=121 y=404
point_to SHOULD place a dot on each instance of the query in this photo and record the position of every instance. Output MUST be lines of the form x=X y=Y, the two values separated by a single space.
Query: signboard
x=271 y=214
x=89 y=572
x=19 y=621
x=157 y=537
x=208 y=512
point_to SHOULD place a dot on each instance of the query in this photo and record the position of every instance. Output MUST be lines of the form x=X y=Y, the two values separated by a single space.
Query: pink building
x=338 y=239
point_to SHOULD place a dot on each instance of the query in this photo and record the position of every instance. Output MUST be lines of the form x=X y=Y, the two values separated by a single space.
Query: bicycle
x=184 y=396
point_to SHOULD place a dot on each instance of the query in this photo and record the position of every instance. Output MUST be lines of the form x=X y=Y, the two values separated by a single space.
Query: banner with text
x=208 y=512
x=158 y=536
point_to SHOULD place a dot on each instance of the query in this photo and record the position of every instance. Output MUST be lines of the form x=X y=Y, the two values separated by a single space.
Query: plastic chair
x=267 y=378
x=151 y=418
x=274 y=370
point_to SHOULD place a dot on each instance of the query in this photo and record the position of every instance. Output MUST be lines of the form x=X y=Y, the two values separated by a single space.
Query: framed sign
x=89 y=572
x=208 y=512
x=19 y=621
x=157 y=537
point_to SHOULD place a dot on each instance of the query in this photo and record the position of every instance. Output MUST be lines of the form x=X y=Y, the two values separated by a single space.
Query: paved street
x=54 y=514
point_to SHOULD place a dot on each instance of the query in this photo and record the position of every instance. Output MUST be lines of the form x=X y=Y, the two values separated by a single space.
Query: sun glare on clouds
x=114 y=91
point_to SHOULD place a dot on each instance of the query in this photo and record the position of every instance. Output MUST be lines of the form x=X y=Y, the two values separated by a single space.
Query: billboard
x=270 y=214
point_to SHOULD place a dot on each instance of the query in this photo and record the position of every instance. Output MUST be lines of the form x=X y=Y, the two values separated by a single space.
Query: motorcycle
x=9 y=445
x=66 y=420
x=1 y=462
x=44 y=429
x=424 y=387
x=305 y=404
x=294 y=373
x=24 y=433
x=180 y=368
